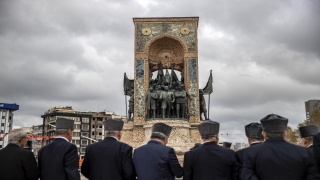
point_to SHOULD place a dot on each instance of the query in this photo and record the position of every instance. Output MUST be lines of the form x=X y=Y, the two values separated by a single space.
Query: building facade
x=311 y=105
x=82 y=126
x=6 y=121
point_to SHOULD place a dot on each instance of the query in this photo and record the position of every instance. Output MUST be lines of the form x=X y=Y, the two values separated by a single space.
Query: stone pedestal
x=183 y=135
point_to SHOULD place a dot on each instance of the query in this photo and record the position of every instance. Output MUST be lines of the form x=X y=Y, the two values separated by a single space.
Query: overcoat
x=277 y=159
x=108 y=159
x=239 y=156
x=59 y=160
x=210 y=162
x=155 y=161
x=17 y=163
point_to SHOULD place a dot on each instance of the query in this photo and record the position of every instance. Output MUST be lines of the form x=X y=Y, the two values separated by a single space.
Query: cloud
x=264 y=56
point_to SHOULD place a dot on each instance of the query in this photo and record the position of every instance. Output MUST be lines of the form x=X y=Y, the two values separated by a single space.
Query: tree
x=291 y=135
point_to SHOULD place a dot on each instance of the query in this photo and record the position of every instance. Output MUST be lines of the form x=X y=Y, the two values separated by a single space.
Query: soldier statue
x=180 y=96
x=163 y=98
x=203 y=108
x=151 y=100
x=131 y=103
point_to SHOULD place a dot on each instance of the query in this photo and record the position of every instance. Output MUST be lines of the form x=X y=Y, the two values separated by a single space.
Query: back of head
x=160 y=131
x=307 y=132
x=208 y=129
x=113 y=126
x=254 y=131
x=63 y=125
x=274 y=125
x=227 y=144
x=15 y=135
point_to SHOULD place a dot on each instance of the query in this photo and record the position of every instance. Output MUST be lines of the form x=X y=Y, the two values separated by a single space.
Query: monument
x=162 y=45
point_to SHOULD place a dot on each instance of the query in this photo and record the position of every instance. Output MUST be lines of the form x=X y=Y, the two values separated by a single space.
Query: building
x=6 y=121
x=82 y=126
x=97 y=128
x=36 y=133
x=311 y=105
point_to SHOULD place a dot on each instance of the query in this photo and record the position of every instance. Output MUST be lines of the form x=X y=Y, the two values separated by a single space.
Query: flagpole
x=209 y=107
x=125 y=96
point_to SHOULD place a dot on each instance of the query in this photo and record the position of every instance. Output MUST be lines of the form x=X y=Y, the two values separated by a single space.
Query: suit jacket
x=310 y=148
x=59 y=160
x=210 y=162
x=277 y=159
x=239 y=156
x=155 y=161
x=17 y=164
x=108 y=159
x=316 y=149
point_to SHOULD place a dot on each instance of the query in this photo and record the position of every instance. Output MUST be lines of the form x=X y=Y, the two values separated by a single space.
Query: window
x=100 y=133
x=84 y=142
x=85 y=127
x=83 y=150
x=73 y=141
x=77 y=141
x=92 y=126
x=4 y=113
x=85 y=120
x=76 y=126
x=2 y=124
x=84 y=134
x=9 y=117
x=3 y=117
x=76 y=134
x=0 y=145
x=92 y=133
x=100 y=126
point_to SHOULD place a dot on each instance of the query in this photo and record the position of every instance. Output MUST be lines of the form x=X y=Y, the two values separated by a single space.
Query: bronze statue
x=163 y=98
x=131 y=103
x=158 y=101
x=180 y=96
x=203 y=108
x=151 y=100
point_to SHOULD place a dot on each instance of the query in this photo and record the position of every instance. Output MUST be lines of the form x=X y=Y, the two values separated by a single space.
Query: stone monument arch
x=165 y=43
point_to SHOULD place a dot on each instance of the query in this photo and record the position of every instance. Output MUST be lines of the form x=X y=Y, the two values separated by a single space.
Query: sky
x=264 y=56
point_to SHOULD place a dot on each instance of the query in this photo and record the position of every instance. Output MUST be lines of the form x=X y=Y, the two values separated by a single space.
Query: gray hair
x=111 y=133
x=61 y=131
x=274 y=135
x=208 y=136
x=15 y=135
x=158 y=135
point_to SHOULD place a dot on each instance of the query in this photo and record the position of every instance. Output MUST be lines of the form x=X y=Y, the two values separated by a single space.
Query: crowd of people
x=269 y=156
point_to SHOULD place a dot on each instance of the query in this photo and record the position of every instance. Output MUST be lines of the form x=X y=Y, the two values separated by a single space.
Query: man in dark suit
x=109 y=159
x=316 y=149
x=275 y=158
x=16 y=162
x=254 y=135
x=156 y=161
x=59 y=159
x=306 y=135
x=210 y=161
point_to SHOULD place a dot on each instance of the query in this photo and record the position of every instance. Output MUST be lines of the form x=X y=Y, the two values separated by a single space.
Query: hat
x=309 y=130
x=161 y=128
x=113 y=125
x=273 y=123
x=227 y=144
x=63 y=123
x=253 y=130
x=208 y=127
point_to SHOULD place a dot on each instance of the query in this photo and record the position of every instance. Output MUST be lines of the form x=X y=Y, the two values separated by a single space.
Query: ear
x=119 y=135
x=285 y=134
x=217 y=138
x=264 y=134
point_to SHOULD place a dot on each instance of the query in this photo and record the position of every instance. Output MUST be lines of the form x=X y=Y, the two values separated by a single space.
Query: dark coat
x=155 y=161
x=239 y=156
x=59 y=160
x=108 y=159
x=316 y=149
x=277 y=159
x=17 y=164
x=310 y=148
x=210 y=162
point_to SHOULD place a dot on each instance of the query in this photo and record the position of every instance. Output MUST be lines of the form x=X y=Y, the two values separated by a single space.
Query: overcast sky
x=264 y=55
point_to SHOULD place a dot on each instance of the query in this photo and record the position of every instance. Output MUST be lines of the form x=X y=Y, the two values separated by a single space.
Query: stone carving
x=140 y=97
x=173 y=29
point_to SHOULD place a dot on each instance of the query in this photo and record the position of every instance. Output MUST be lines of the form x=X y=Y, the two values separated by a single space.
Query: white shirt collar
x=114 y=137
x=255 y=142
x=62 y=138
x=310 y=145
